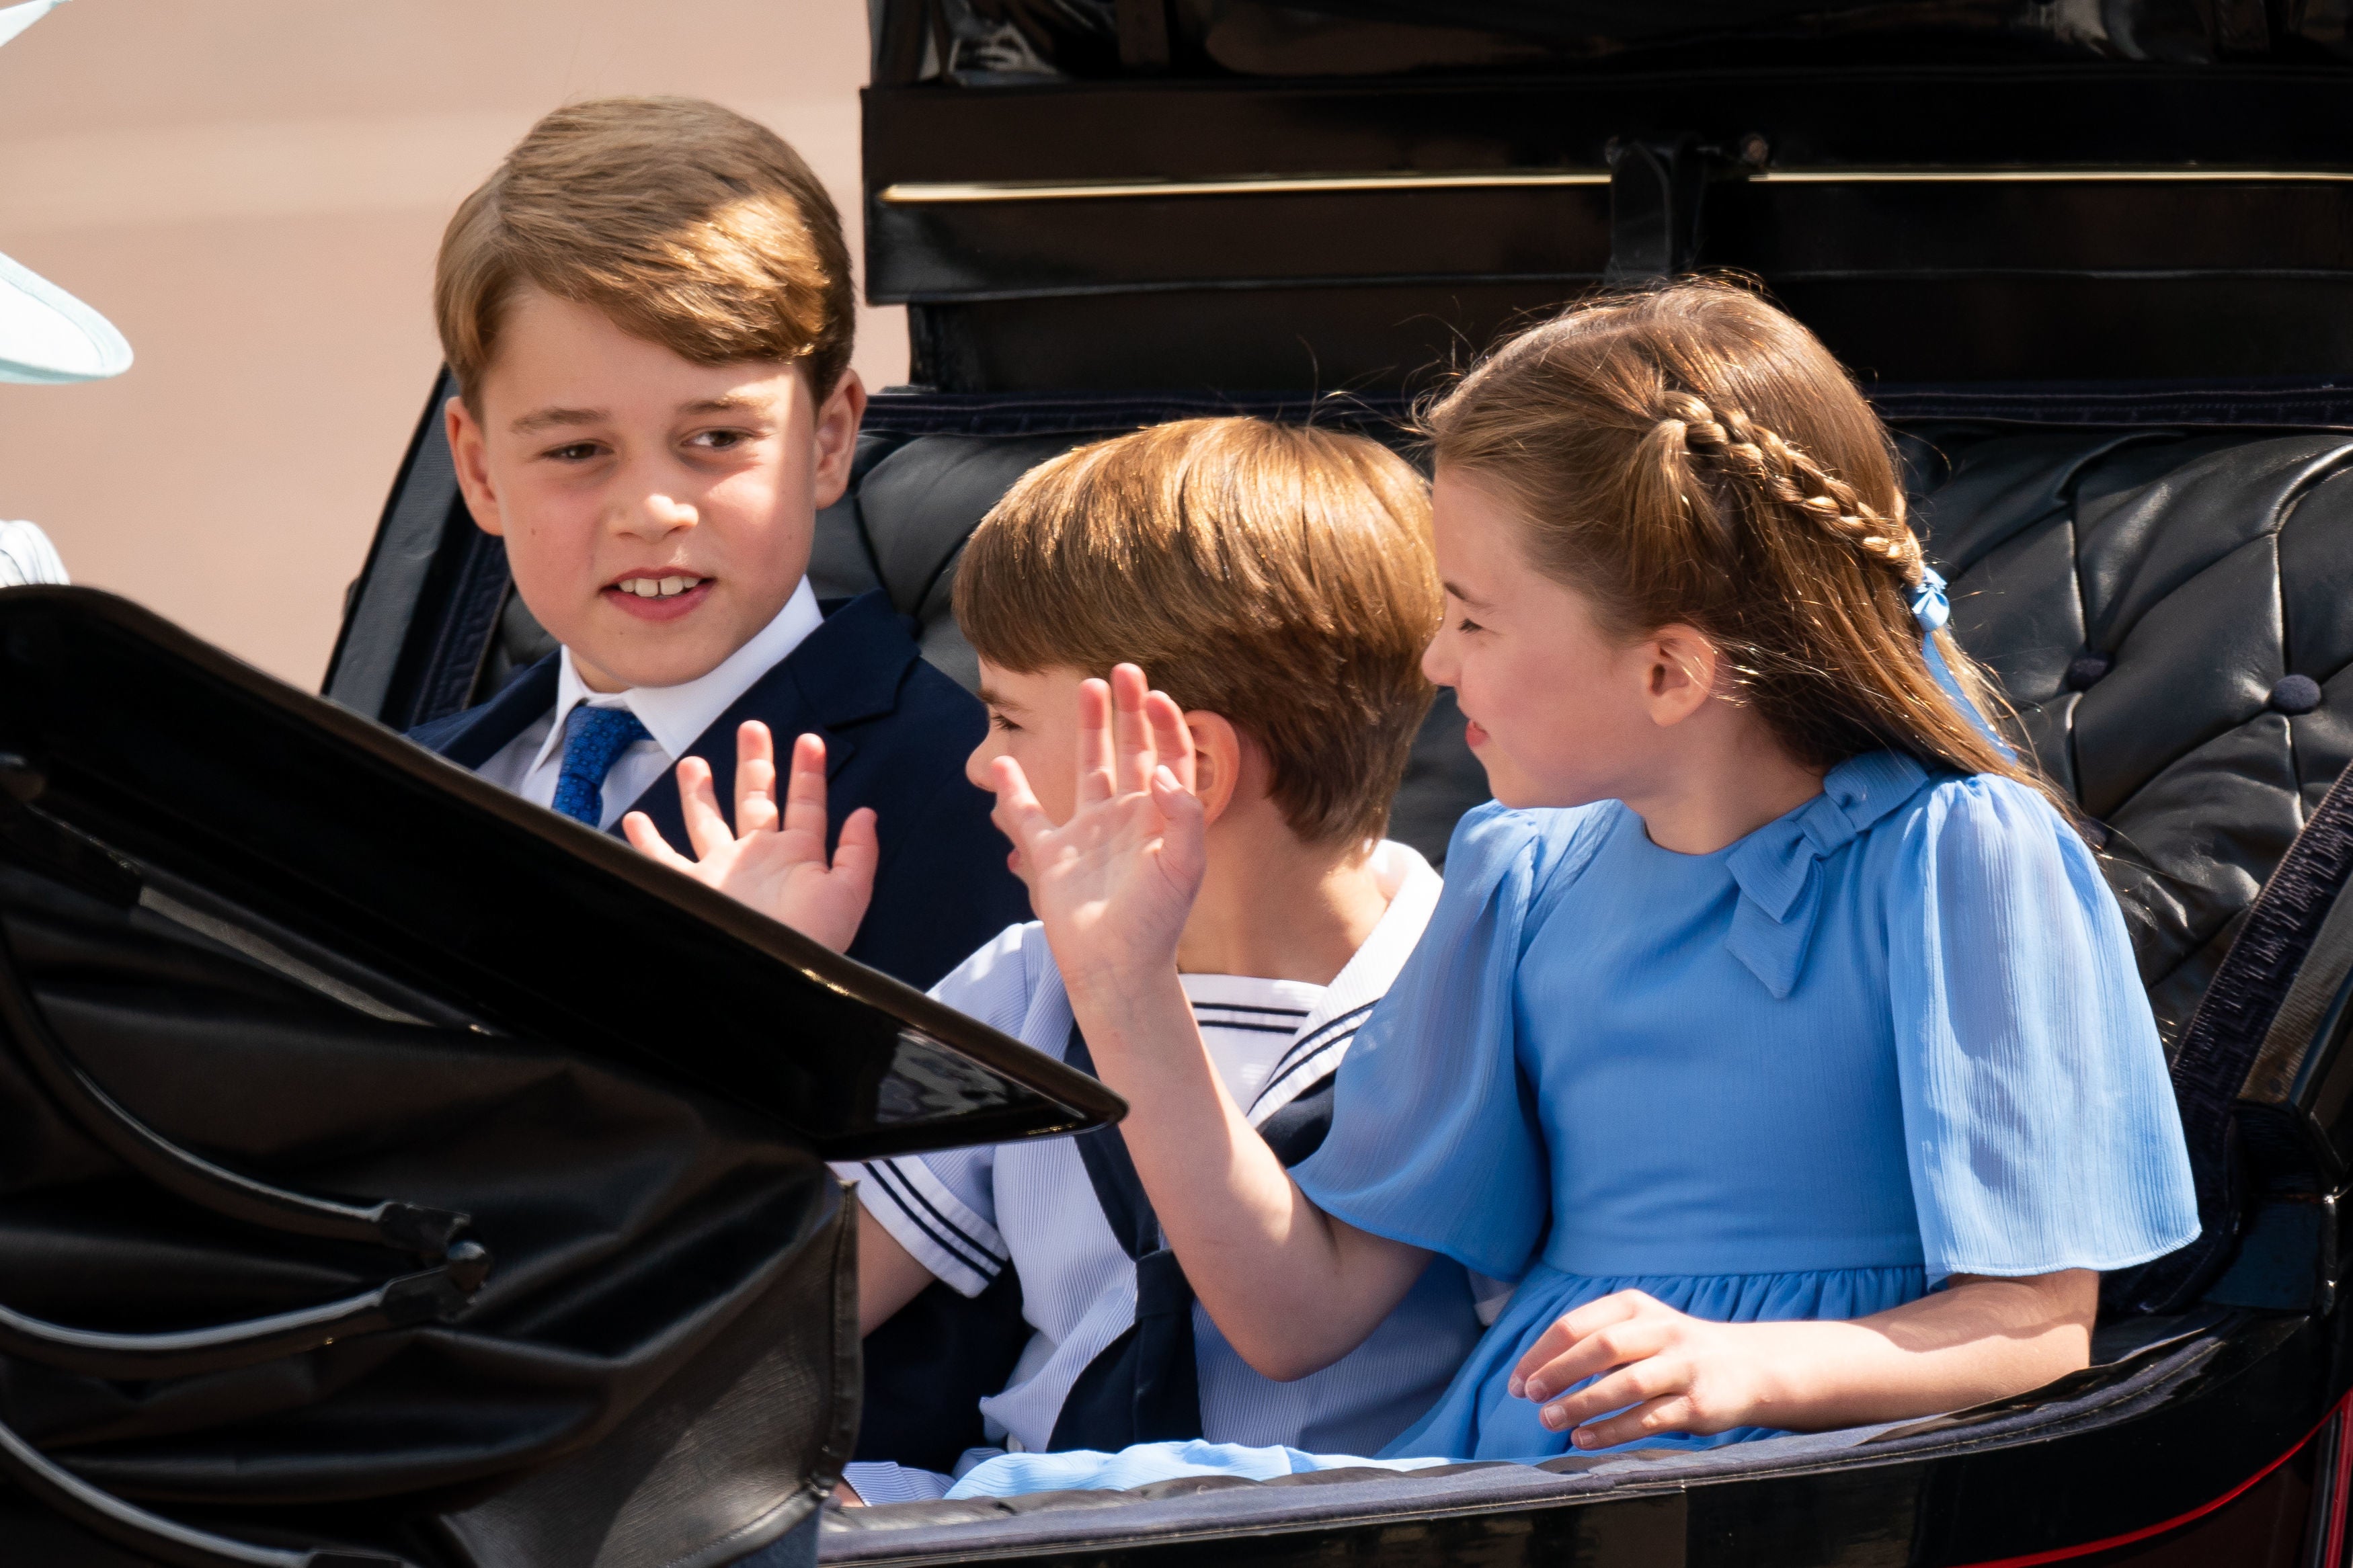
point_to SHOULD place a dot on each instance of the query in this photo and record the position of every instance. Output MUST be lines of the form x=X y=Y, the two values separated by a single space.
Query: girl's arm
x=1981 y=1338
x=1291 y=1288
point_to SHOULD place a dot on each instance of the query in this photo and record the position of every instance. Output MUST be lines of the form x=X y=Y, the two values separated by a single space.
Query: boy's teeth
x=657 y=587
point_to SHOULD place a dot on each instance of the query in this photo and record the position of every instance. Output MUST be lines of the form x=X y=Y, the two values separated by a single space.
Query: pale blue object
x=1892 y=1035
x=1083 y=1469
x=16 y=18
x=1932 y=609
x=48 y=336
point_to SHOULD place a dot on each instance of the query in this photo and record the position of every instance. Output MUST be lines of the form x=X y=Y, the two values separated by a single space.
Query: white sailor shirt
x=967 y=1214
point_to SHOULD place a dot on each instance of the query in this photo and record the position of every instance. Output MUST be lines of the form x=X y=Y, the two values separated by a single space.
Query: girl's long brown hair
x=1688 y=454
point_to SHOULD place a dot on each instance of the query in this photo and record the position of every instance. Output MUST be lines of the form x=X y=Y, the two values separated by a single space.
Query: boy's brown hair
x=685 y=223
x=1277 y=575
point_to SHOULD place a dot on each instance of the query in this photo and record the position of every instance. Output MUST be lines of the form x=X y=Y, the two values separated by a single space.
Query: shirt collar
x=675 y=716
x=1413 y=889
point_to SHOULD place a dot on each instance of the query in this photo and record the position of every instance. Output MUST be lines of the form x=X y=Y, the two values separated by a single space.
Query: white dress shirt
x=675 y=716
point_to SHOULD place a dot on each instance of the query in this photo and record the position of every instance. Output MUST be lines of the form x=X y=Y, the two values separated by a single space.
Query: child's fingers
x=1619 y=1344
x=1131 y=735
x=1569 y=1330
x=1653 y=1378
x=1672 y=1414
x=1018 y=816
x=699 y=803
x=1095 y=778
x=804 y=796
x=1171 y=740
x=858 y=853
x=640 y=831
x=755 y=778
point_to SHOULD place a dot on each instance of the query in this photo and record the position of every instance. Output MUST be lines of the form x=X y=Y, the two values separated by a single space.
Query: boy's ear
x=1217 y=760
x=471 y=455
x=836 y=436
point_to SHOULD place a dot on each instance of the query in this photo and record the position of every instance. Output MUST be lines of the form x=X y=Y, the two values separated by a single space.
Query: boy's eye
x=720 y=440
x=1002 y=722
x=576 y=452
x=1467 y=624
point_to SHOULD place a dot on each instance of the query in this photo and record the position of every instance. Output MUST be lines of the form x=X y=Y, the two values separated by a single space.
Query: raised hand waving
x=774 y=861
x=1115 y=883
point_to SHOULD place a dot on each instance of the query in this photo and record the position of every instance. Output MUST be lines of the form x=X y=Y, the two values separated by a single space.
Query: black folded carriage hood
x=398 y=1175
x=136 y=749
x=1218 y=193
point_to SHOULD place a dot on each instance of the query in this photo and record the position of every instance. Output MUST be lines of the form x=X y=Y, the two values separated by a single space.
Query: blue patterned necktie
x=594 y=739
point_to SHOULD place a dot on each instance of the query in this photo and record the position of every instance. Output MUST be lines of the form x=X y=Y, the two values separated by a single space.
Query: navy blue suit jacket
x=896 y=735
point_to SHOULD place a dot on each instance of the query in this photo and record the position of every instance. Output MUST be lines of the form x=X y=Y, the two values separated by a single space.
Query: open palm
x=1114 y=884
x=771 y=859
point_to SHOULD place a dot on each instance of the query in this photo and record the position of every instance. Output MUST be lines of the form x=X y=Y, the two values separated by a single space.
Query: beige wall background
x=252 y=190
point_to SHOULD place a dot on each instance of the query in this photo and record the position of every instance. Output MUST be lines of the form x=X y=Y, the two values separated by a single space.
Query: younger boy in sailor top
x=1276 y=581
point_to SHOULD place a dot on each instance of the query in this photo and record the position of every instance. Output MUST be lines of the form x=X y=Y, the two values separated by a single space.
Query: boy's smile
x=657 y=512
x=652 y=598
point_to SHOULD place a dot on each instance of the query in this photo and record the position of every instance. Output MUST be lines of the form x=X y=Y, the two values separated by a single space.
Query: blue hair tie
x=1932 y=609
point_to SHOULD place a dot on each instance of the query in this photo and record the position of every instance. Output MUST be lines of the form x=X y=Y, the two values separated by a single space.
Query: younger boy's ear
x=1217 y=760
x=470 y=456
x=836 y=436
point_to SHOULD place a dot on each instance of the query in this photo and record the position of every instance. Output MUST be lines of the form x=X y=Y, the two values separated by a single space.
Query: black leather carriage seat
x=2170 y=611
x=2172 y=614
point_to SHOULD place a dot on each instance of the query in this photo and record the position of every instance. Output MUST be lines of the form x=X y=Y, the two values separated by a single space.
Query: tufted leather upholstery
x=2148 y=599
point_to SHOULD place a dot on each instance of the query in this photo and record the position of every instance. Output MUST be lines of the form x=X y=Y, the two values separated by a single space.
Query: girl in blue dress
x=1775 y=1032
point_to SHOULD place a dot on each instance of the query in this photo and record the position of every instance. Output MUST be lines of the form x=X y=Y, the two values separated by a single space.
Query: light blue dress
x=1893 y=1036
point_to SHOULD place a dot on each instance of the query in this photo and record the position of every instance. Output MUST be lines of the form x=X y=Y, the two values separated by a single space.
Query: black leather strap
x=1145 y=1386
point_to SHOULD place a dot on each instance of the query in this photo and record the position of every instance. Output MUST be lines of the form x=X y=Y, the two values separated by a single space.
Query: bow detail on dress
x=1778 y=866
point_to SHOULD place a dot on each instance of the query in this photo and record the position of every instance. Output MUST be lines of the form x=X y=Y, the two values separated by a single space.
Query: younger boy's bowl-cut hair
x=685 y=223
x=1278 y=576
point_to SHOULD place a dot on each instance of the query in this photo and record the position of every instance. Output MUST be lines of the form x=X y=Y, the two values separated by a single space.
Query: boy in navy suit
x=647 y=310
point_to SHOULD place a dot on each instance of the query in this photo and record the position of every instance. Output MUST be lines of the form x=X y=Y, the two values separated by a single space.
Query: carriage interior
x=2101 y=322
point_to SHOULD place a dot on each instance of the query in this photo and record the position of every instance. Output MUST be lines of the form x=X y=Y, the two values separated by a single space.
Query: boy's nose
x=976 y=766
x=655 y=516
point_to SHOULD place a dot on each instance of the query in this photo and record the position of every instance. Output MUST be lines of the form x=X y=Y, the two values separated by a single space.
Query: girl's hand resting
x=1114 y=884
x=774 y=862
x=1679 y=1373
x=1978 y=1338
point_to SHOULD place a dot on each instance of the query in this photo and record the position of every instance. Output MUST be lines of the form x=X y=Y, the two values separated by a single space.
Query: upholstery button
x=2086 y=669
x=2296 y=694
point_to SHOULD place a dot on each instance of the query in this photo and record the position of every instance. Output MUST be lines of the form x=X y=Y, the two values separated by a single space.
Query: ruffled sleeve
x=1434 y=1136
x=2039 y=1120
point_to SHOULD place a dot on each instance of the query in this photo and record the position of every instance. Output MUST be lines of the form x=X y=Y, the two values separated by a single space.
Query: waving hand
x=1114 y=884
x=774 y=861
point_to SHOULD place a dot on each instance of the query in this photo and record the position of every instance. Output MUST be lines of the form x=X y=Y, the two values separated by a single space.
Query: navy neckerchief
x=1145 y=1386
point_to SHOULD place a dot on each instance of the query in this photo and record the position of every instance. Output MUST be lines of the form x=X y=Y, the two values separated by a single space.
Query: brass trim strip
x=1015 y=190
x=954 y=194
